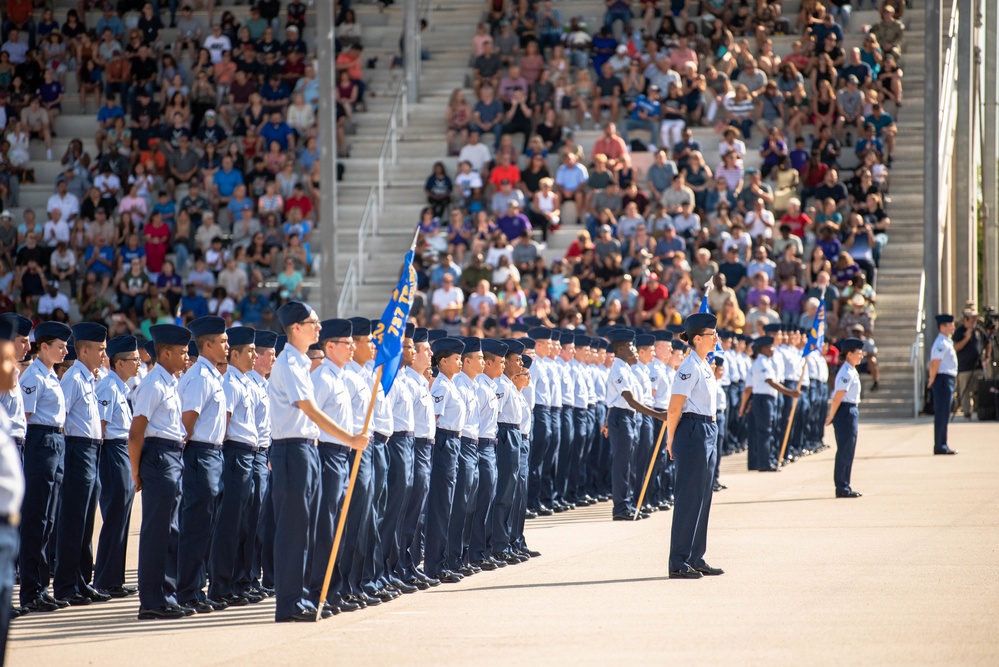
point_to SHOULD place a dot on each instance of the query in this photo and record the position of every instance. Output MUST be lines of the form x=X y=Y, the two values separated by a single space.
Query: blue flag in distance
x=391 y=329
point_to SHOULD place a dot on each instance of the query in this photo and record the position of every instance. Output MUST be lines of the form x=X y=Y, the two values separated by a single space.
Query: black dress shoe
x=944 y=451
x=848 y=494
x=267 y=590
x=685 y=573
x=254 y=598
x=61 y=604
x=78 y=600
x=95 y=595
x=360 y=601
x=419 y=583
x=329 y=610
x=623 y=517
x=434 y=583
x=204 y=607
x=234 y=600
x=545 y=511
x=558 y=508
x=347 y=605
x=498 y=561
x=486 y=565
x=15 y=612
x=403 y=587
x=370 y=600
x=533 y=554
x=718 y=486
x=665 y=506
x=448 y=577
x=187 y=611
x=39 y=605
x=709 y=571
x=304 y=616
x=163 y=613
x=118 y=592
x=386 y=595
x=465 y=571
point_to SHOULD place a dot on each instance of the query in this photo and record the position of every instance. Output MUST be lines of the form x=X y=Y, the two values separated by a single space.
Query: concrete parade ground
x=906 y=575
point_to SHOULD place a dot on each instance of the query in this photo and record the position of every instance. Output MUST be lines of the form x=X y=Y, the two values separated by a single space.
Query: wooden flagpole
x=648 y=473
x=342 y=521
x=790 y=420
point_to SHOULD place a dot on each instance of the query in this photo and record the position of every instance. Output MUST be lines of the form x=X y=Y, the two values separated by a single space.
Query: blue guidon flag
x=391 y=329
x=704 y=309
x=817 y=334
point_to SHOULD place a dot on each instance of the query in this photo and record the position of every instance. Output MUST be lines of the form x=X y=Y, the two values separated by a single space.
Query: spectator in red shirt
x=503 y=171
x=795 y=219
x=652 y=297
x=299 y=200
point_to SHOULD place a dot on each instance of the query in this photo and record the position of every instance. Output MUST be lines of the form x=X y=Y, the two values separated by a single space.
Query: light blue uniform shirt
x=200 y=390
x=555 y=373
x=580 y=390
x=78 y=387
x=542 y=379
x=722 y=398
x=290 y=383
x=695 y=380
x=448 y=404
x=529 y=395
x=644 y=382
x=467 y=387
x=333 y=398
x=381 y=418
x=568 y=385
x=486 y=399
x=113 y=407
x=526 y=414
x=777 y=361
x=241 y=399
x=848 y=380
x=508 y=406
x=259 y=384
x=943 y=349
x=621 y=379
x=156 y=399
x=599 y=383
x=43 y=397
x=802 y=367
x=13 y=405
x=424 y=421
x=359 y=393
x=792 y=363
x=11 y=475
x=762 y=371
x=401 y=401
x=662 y=383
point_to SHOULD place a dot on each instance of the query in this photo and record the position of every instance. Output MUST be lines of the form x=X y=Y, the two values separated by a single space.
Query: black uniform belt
x=199 y=444
x=487 y=442
x=542 y=408
x=164 y=442
x=115 y=442
x=379 y=437
x=293 y=441
x=627 y=411
x=469 y=441
x=849 y=405
x=697 y=418
x=515 y=427
x=402 y=434
x=448 y=434
x=335 y=446
x=78 y=440
x=235 y=444
x=424 y=441
x=41 y=428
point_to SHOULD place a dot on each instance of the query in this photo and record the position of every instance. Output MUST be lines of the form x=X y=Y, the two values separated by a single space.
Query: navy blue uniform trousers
x=943 y=395
x=334 y=474
x=761 y=436
x=400 y=486
x=466 y=480
x=507 y=471
x=44 y=450
x=622 y=434
x=114 y=471
x=201 y=486
x=845 y=427
x=374 y=558
x=694 y=446
x=481 y=515
x=74 y=533
x=229 y=534
x=416 y=511
x=160 y=469
x=540 y=439
x=443 y=474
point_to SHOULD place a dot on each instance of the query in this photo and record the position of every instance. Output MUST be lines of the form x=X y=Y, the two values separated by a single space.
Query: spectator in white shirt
x=686 y=222
x=475 y=152
x=760 y=221
x=52 y=300
x=216 y=43
x=56 y=229
x=65 y=201
x=446 y=294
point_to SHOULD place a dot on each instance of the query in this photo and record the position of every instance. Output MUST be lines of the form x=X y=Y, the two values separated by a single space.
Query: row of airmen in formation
x=242 y=441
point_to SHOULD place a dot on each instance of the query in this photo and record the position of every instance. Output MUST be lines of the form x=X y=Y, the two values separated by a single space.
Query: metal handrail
x=390 y=148
x=917 y=352
x=347 y=303
x=369 y=222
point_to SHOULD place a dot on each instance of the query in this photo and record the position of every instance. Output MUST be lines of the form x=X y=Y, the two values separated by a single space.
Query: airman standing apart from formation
x=844 y=414
x=942 y=376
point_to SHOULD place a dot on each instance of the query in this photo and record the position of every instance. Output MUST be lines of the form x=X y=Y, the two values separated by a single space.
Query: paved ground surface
x=906 y=575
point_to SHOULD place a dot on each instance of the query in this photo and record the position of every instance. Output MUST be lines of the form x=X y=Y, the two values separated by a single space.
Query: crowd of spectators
x=201 y=193
x=786 y=205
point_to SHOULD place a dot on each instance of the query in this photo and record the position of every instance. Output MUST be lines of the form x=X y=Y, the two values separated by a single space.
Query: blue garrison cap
x=528 y=343
x=472 y=345
x=700 y=321
x=170 y=334
x=410 y=330
x=526 y=360
x=718 y=360
x=567 y=338
x=279 y=344
x=90 y=332
x=662 y=335
x=514 y=346
x=53 y=330
x=443 y=345
x=581 y=340
x=264 y=339
x=725 y=334
x=436 y=334
x=804 y=331
x=361 y=326
x=675 y=329
x=336 y=328
x=8 y=329
x=420 y=335
x=645 y=340
x=293 y=312
x=531 y=321
x=519 y=327
x=192 y=350
x=602 y=331
x=679 y=345
x=121 y=344
x=850 y=344
x=317 y=347
x=943 y=318
x=495 y=347
x=207 y=326
x=150 y=348
x=70 y=353
x=540 y=333
x=241 y=336
x=20 y=324
x=599 y=344
x=763 y=341
x=621 y=336
x=772 y=327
